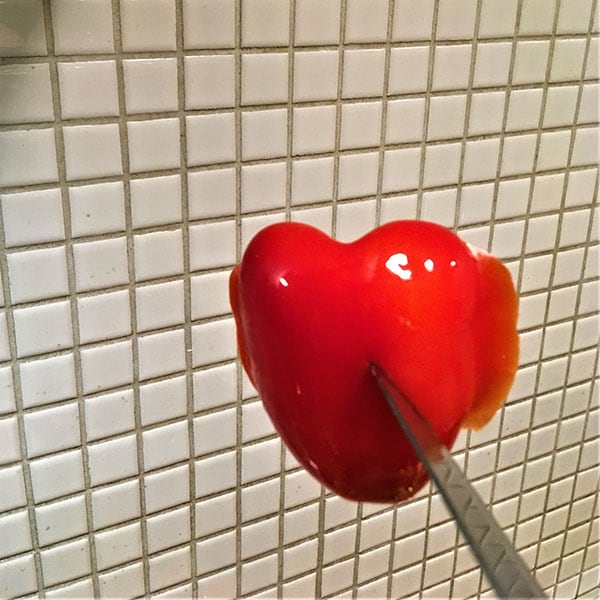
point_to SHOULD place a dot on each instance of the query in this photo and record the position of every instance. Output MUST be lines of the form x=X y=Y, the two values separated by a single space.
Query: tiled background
x=143 y=143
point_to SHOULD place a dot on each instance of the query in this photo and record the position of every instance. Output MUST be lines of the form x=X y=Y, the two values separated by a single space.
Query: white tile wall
x=143 y=143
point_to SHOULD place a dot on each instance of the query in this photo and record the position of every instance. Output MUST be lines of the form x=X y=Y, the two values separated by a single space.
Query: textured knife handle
x=504 y=568
x=498 y=558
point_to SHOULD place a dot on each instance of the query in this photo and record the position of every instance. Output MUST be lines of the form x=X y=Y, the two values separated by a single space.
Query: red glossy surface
x=312 y=313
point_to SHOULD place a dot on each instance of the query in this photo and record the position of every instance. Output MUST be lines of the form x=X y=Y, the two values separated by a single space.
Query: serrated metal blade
x=502 y=565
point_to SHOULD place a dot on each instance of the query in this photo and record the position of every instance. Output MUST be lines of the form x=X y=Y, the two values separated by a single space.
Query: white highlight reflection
x=283 y=281
x=428 y=264
x=395 y=264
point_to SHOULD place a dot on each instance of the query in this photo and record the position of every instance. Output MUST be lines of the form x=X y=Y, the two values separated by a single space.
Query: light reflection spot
x=283 y=281
x=396 y=264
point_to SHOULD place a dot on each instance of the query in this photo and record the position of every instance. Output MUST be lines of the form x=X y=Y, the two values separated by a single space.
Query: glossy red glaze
x=313 y=313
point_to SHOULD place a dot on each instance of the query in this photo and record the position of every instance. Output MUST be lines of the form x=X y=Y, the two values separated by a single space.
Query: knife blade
x=507 y=573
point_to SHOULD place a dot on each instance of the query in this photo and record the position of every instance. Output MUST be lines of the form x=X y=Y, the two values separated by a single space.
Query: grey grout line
x=576 y=476
x=187 y=308
x=257 y=108
x=554 y=258
x=320 y=543
x=423 y=144
x=250 y=108
x=348 y=589
x=593 y=522
x=576 y=525
x=464 y=229
x=380 y=172
x=135 y=386
x=26 y=475
x=457 y=209
x=339 y=124
x=392 y=552
x=74 y=313
x=290 y=115
x=170 y=227
x=127 y=54
x=355 y=556
x=419 y=211
x=288 y=213
x=273 y=436
x=383 y=120
x=509 y=89
x=334 y=203
x=350 y=523
x=507 y=100
x=339 y=527
x=463 y=143
x=562 y=403
x=335 y=193
x=218 y=408
x=538 y=138
x=15 y=189
x=239 y=240
x=519 y=282
x=514 y=46
x=96 y=343
x=24 y=462
x=288 y=202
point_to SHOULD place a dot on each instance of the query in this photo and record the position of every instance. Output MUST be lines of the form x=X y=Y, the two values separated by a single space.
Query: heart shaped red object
x=438 y=316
